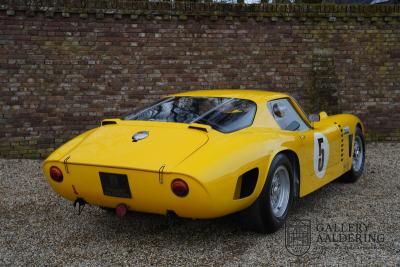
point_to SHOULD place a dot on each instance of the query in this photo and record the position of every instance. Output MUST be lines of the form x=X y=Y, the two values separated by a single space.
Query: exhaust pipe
x=81 y=204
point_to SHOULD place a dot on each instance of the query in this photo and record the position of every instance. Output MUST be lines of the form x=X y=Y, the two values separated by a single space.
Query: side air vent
x=108 y=122
x=246 y=184
x=341 y=142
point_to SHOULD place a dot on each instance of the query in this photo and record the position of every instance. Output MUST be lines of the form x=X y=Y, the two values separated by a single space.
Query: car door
x=316 y=148
x=327 y=145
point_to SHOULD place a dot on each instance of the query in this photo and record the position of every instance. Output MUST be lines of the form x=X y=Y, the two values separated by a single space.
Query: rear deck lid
x=138 y=145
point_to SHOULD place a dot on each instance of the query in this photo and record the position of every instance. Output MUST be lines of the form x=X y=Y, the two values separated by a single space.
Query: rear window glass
x=222 y=114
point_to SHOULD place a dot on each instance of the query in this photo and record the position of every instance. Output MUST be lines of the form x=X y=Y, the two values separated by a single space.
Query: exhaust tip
x=121 y=210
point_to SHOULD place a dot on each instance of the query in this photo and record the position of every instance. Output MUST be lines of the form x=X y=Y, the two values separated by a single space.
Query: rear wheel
x=358 y=161
x=270 y=210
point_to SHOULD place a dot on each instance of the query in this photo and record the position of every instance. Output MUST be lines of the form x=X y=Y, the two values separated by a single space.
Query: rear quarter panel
x=220 y=163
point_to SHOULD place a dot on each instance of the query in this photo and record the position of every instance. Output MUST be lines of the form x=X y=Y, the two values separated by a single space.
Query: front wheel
x=270 y=210
x=358 y=160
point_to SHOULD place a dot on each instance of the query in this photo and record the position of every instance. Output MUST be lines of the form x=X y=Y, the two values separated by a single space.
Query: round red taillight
x=180 y=187
x=56 y=174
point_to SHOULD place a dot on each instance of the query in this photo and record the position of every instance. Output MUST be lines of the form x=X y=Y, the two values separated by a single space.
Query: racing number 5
x=321 y=154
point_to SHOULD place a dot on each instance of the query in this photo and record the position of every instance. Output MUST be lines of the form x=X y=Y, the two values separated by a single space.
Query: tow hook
x=81 y=204
x=121 y=210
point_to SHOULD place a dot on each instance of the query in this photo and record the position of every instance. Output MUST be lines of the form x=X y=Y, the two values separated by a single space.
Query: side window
x=286 y=116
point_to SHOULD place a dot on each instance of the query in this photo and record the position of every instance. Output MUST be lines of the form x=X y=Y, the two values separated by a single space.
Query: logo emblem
x=298 y=236
x=321 y=154
x=139 y=136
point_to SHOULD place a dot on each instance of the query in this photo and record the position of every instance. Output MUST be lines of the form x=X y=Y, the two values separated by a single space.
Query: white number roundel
x=321 y=154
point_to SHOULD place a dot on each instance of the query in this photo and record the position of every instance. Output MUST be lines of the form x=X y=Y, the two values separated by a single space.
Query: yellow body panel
x=209 y=161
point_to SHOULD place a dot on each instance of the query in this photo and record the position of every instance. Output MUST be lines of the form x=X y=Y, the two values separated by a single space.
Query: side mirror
x=322 y=115
x=314 y=117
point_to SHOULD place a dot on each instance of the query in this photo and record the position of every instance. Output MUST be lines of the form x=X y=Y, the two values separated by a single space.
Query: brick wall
x=64 y=68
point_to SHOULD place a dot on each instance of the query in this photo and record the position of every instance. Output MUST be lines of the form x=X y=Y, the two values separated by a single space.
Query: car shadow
x=144 y=223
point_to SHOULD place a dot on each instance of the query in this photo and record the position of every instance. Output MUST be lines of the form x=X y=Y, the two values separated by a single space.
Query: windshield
x=222 y=114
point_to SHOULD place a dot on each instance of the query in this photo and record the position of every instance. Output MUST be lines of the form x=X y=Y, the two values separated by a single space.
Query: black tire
x=259 y=217
x=355 y=173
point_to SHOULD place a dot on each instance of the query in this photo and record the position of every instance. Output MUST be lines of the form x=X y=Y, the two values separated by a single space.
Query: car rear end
x=131 y=162
x=140 y=190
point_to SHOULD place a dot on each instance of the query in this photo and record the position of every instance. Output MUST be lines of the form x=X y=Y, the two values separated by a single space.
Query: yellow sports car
x=206 y=154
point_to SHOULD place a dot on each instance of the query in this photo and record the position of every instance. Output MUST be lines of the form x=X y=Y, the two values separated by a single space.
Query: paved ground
x=350 y=224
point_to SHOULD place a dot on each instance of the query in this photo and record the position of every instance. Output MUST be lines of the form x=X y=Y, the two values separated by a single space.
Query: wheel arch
x=359 y=125
x=294 y=159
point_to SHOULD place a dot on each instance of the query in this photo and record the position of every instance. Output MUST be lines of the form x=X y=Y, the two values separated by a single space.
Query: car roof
x=235 y=93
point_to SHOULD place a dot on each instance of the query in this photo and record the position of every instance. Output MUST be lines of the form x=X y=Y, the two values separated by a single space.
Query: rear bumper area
x=148 y=194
